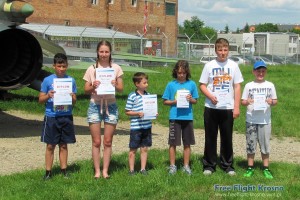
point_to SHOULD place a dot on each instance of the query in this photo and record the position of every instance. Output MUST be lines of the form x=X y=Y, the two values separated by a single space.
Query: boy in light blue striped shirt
x=140 y=129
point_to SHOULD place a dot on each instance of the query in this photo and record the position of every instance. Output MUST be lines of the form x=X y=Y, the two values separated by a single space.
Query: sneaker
x=144 y=172
x=47 y=176
x=231 y=173
x=249 y=172
x=131 y=173
x=267 y=173
x=207 y=172
x=186 y=169
x=172 y=169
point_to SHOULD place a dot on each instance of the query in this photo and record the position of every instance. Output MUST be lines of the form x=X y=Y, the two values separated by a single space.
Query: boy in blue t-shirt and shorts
x=58 y=127
x=180 y=94
x=140 y=129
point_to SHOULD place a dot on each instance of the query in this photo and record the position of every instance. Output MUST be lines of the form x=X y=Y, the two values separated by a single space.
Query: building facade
x=154 y=21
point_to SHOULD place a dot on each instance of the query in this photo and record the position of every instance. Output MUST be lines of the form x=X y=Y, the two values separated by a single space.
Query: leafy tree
x=195 y=26
x=226 y=28
x=209 y=32
x=266 y=27
x=297 y=31
x=246 y=28
x=237 y=30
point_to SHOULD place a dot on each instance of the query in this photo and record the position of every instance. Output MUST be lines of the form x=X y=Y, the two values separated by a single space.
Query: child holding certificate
x=102 y=80
x=258 y=95
x=180 y=94
x=220 y=83
x=137 y=108
x=58 y=93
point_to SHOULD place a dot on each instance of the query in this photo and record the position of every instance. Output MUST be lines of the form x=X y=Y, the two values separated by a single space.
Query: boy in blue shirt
x=58 y=127
x=181 y=119
x=140 y=129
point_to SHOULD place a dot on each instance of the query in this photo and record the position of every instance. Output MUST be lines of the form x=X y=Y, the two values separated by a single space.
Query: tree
x=195 y=26
x=226 y=29
x=266 y=27
x=246 y=28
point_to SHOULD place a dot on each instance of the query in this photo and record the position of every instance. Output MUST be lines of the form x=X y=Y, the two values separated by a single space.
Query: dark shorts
x=140 y=138
x=181 y=129
x=58 y=130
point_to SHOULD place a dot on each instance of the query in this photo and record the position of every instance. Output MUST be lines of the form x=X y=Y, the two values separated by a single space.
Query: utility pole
x=113 y=40
x=141 y=45
x=167 y=42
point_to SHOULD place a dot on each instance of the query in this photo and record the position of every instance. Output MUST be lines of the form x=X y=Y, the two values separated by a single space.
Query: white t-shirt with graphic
x=220 y=78
x=265 y=89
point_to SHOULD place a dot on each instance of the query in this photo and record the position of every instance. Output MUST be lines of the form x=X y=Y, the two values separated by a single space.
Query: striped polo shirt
x=135 y=103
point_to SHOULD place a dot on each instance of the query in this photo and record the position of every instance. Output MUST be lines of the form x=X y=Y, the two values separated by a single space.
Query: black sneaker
x=47 y=176
x=131 y=173
x=144 y=172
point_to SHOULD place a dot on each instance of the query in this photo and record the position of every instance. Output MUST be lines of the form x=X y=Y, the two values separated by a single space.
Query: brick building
x=158 y=17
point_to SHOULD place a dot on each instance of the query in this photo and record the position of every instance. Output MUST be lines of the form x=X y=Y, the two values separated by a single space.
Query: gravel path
x=21 y=149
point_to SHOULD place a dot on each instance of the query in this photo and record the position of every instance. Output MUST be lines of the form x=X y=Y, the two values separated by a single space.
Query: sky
x=236 y=13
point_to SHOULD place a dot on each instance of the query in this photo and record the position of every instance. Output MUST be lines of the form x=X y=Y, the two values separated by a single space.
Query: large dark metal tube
x=20 y=59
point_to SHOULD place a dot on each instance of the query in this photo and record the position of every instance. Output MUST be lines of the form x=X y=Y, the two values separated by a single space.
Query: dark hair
x=183 y=64
x=221 y=42
x=60 y=58
x=105 y=43
x=137 y=77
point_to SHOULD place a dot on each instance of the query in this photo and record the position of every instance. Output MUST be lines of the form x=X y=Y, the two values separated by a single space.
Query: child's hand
x=140 y=114
x=269 y=101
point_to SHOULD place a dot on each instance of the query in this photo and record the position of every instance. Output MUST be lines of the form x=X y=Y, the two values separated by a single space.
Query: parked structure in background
x=150 y=18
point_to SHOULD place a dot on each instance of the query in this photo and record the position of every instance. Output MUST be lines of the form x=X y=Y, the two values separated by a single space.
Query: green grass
x=157 y=185
x=284 y=116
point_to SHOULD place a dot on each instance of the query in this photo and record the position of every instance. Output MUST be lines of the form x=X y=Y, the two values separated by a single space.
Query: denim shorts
x=94 y=113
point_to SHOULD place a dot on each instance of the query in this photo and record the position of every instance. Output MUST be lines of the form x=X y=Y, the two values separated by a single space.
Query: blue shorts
x=58 y=130
x=94 y=115
x=140 y=138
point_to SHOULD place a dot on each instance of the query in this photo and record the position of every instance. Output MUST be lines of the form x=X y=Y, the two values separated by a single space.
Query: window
x=94 y=2
x=133 y=3
x=67 y=22
x=110 y=1
x=170 y=9
x=157 y=29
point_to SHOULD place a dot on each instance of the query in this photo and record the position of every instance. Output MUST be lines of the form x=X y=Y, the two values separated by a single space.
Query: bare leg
x=131 y=159
x=96 y=144
x=186 y=155
x=144 y=155
x=172 y=154
x=63 y=156
x=109 y=130
x=265 y=159
x=250 y=158
x=49 y=156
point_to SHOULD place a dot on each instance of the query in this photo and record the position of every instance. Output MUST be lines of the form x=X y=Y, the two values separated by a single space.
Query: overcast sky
x=236 y=13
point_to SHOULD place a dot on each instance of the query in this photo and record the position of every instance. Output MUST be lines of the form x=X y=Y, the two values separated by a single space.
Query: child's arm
x=170 y=102
x=132 y=113
x=190 y=99
x=272 y=102
x=119 y=84
x=74 y=98
x=43 y=97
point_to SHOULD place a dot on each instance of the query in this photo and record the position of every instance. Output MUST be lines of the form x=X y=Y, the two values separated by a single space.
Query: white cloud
x=236 y=13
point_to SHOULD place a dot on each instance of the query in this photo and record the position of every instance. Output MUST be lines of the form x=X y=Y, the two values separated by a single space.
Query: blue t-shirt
x=135 y=103
x=170 y=93
x=59 y=110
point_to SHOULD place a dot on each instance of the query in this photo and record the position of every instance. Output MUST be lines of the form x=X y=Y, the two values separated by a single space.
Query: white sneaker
x=186 y=169
x=231 y=173
x=172 y=169
x=207 y=172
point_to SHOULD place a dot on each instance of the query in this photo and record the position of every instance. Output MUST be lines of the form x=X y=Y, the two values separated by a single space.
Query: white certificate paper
x=182 y=102
x=222 y=97
x=105 y=76
x=259 y=102
x=63 y=89
x=150 y=106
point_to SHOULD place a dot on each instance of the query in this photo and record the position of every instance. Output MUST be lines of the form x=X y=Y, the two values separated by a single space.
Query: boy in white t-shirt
x=258 y=95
